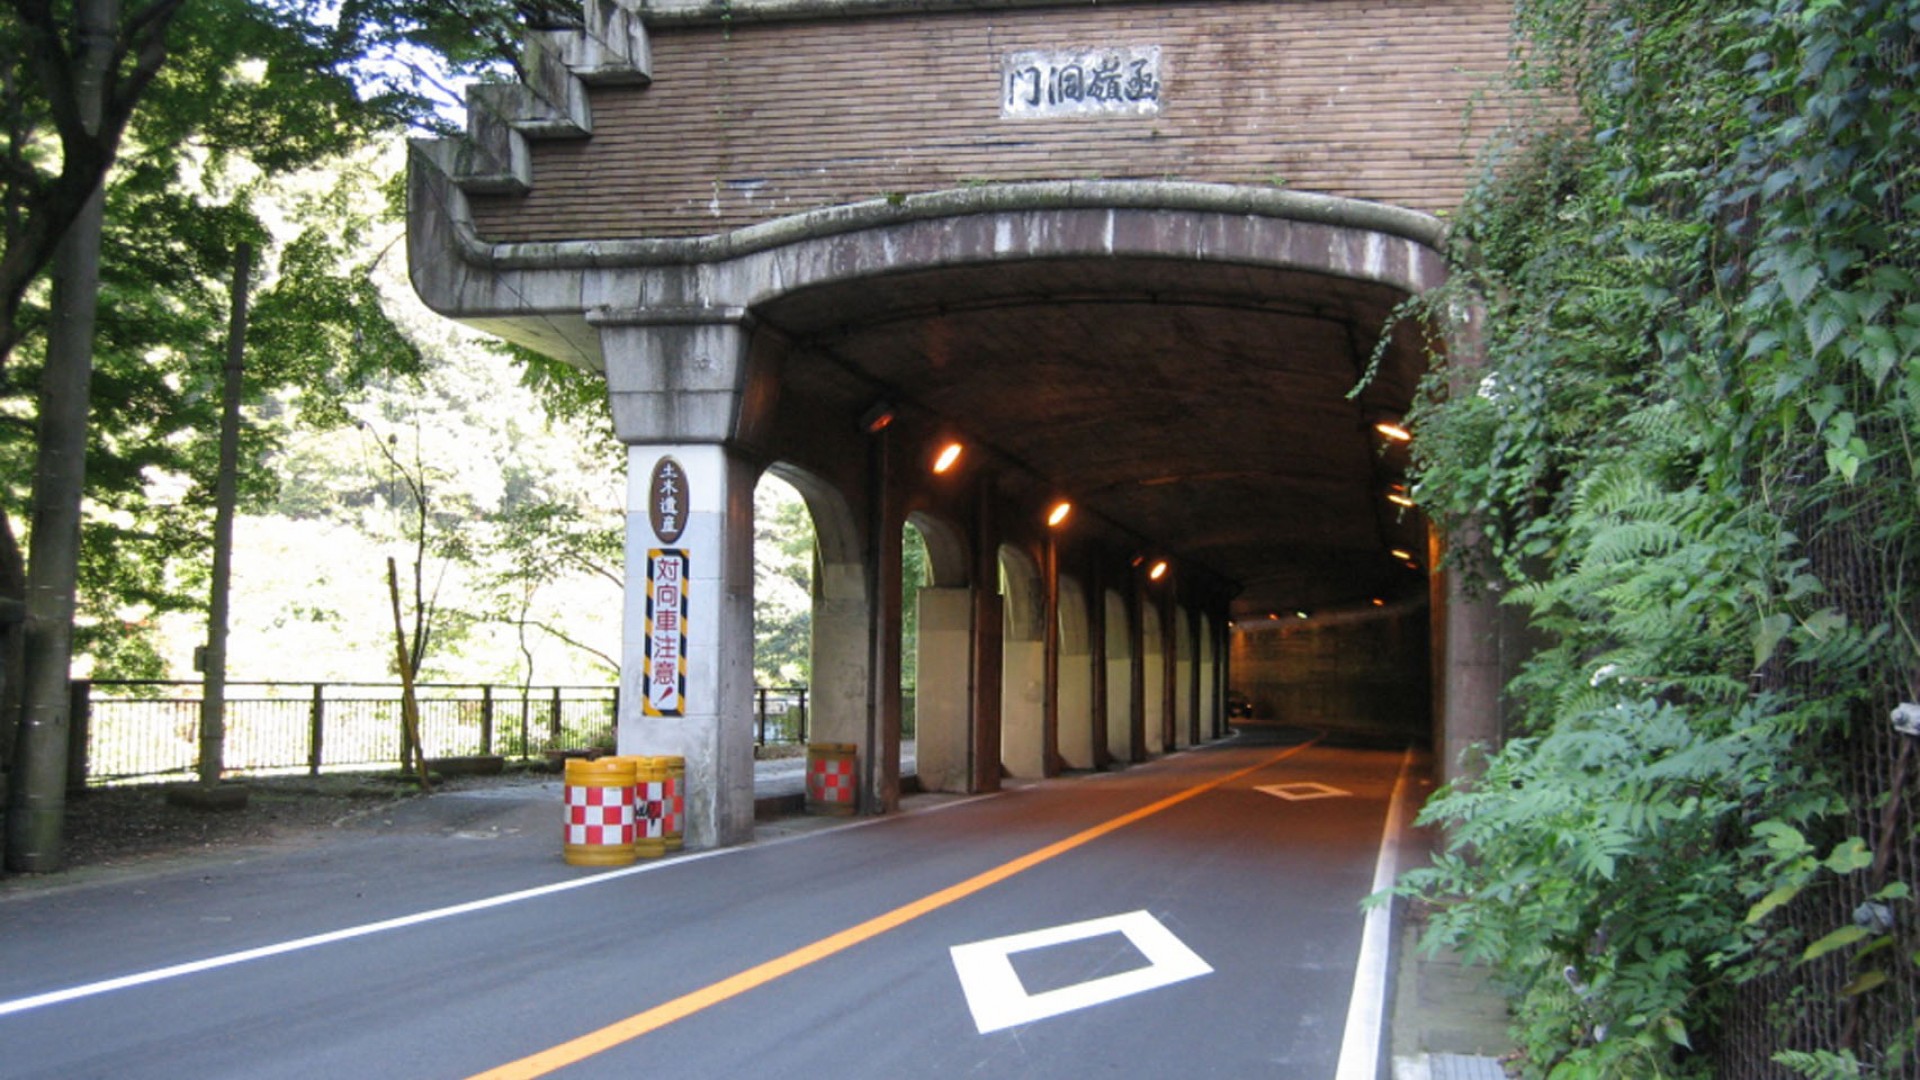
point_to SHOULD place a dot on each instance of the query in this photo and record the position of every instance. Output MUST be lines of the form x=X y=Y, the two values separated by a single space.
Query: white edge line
x=211 y=963
x=1366 y=1012
x=55 y=997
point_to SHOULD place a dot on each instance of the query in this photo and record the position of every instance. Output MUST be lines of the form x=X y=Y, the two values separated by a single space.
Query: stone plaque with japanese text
x=1122 y=80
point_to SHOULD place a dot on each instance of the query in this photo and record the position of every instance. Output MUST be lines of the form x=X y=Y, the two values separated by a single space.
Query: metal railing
x=150 y=729
x=779 y=715
x=141 y=729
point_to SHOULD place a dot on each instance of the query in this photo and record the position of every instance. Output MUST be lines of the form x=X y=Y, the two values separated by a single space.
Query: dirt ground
x=118 y=826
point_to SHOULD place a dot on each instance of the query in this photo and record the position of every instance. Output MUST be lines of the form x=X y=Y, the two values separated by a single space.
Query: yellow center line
x=575 y=1050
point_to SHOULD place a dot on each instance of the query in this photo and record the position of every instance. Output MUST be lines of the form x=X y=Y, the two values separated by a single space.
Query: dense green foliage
x=1690 y=269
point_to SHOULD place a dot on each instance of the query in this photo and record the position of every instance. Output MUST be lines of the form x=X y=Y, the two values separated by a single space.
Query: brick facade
x=755 y=121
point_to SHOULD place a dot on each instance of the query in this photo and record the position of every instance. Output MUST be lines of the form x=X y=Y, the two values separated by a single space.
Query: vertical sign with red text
x=666 y=632
x=667 y=581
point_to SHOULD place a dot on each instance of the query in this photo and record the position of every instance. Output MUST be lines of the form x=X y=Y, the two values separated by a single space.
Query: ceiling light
x=1059 y=513
x=1159 y=571
x=877 y=418
x=1393 y=432
x=949 y=454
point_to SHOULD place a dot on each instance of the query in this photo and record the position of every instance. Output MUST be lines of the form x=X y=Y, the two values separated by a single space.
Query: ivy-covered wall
x=1693 y=458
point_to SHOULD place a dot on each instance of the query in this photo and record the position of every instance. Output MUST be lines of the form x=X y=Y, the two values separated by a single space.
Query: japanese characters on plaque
x=1123 y=80
x=667 y=500
x=666 y=632
x=667 y=508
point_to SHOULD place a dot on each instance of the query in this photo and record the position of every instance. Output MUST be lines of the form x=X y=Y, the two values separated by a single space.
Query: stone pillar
x=1186 y=726
x=1073 y=682
x=1122 y=701
x=988 y=634
x=1468 y=636
x=686 y=682
x=1154 y=668
x=1208 y=675
x=1050 y=658
x=1098 y=686
x=1171 y=698
x=880 y=743
x=676 y=385
x=941 y=697
x=1472 y=676
x=838 y=656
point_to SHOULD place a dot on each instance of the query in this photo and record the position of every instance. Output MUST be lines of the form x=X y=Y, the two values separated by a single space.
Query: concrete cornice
x=722 y=12
x=1228 y=199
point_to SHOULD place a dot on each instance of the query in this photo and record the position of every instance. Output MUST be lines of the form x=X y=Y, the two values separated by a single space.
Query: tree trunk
x=213 y=697
x=36 y=818
x=34 y=826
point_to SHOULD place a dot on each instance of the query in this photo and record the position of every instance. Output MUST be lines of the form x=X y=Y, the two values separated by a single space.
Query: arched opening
x=785 y=553
x=839 y=648
x=1023 y=674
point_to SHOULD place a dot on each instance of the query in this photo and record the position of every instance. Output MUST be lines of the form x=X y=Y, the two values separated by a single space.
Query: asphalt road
x=1184 y=922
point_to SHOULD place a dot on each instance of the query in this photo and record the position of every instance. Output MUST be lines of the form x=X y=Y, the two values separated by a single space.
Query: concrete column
x=1170 y=695
x=942 y=699
x=1186 y=725
x=1470 y=698
x=1206 y=667
x=1022 y=726
x=676 y=382
x=1121 y=669
x=1073 y=681
x=1023 y=670
x=880 y=743
x=1222 y=672
x=1098 y=687
x=1050 y=755
x=838 y=653
x=1155 y=666
x=988 y=634
x=691 y=693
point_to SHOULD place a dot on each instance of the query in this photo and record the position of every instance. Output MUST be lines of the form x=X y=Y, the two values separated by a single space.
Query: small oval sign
x=667 y=500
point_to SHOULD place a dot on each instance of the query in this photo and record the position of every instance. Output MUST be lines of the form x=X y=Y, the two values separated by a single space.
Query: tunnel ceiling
x=1203 y=408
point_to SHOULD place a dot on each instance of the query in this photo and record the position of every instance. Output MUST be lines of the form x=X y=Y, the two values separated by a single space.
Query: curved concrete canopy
x=1180 y=359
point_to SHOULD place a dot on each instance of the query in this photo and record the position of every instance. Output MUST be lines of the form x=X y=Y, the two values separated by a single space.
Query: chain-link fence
x=1837 y=1002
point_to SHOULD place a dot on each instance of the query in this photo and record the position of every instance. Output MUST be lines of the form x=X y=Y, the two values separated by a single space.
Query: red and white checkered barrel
x=673 y=821
x=600 y=818
x=830 y=778
x=650 y=808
